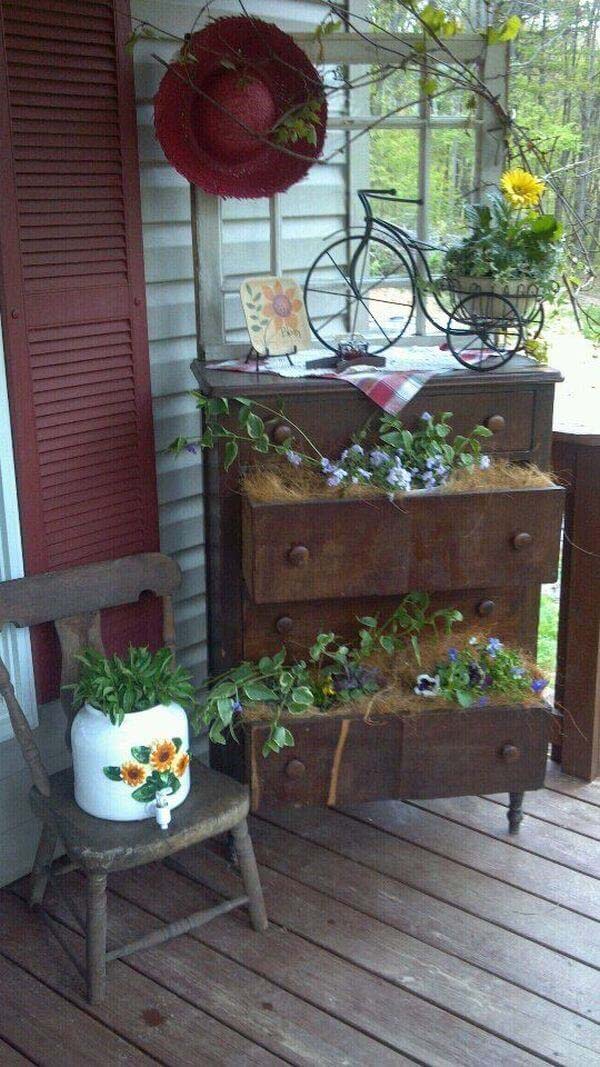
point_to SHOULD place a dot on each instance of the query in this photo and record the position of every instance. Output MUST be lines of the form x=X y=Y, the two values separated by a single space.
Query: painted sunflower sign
x=275 y=315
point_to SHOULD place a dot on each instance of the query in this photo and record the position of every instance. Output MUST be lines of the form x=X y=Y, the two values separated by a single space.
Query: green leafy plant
x=395 y=460
x=335 y=673
x=508 y=244
x=481 y=669
x=139 y=680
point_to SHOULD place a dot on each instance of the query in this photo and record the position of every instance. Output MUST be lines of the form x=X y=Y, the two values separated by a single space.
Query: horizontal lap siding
x=73 y=299
x=311 y=209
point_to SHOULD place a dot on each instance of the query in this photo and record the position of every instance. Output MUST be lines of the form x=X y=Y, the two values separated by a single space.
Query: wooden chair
x=73 y=599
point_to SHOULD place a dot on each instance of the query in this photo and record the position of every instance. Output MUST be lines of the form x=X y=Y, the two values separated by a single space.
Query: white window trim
x=15 y=646
x=346 y=48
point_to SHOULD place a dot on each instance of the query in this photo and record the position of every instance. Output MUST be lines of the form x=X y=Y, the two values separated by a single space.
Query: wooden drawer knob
x=298 y=555
x=495 y=423
x=522 y=540
x=510 y=753
x=295 y=769
x=486 y=607
x=284 y=625
x=281 y=433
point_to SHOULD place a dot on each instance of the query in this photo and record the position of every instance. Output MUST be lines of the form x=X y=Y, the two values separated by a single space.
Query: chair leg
x=249 y=871
x=95 y=944
x=41 y=865
x=515 y=812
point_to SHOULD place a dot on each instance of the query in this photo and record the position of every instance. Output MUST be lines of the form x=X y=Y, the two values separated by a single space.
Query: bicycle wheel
x=360 y=286
x=484 y=331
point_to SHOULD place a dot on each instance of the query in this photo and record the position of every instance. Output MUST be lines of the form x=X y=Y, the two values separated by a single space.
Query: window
x=440 y=151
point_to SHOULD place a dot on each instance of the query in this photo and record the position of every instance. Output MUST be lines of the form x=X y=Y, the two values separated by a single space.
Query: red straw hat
x=239 y=78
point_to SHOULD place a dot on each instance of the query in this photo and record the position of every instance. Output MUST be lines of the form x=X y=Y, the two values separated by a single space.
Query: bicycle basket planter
x=489 y=297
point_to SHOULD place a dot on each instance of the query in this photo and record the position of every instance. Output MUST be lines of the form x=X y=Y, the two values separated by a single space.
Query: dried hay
x=280 y=483
x=398 y=696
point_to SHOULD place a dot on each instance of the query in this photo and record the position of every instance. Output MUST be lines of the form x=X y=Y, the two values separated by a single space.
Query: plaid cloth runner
x=390 y=387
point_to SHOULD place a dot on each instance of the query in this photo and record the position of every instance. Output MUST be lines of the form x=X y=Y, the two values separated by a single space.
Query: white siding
x=310 y=210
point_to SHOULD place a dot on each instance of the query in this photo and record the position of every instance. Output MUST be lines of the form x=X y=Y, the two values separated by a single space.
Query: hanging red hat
x=216 y=109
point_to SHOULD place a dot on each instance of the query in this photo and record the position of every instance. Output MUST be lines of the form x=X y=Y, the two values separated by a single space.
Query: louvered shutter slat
x=73 y=298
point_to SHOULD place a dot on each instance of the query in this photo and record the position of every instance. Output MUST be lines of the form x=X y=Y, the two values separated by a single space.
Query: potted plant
x=513 y=249
x=130 y=737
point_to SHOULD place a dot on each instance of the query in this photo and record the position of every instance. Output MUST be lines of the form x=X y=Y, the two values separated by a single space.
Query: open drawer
x=320 y=549
x=452 y=752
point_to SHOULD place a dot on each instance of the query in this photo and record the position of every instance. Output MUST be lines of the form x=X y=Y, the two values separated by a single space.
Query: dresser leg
x=515 y=811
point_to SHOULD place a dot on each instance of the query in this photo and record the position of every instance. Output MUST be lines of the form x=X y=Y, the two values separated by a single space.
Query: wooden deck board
x=399 y=933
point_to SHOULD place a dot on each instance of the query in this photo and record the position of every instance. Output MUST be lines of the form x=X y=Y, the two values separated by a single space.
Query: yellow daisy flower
x=520 y=188
x=327 y=689
x=180 y=764
x=162 y=755
x=133 y=774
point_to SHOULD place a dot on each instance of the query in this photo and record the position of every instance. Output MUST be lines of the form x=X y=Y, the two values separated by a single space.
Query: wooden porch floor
x=399 y=933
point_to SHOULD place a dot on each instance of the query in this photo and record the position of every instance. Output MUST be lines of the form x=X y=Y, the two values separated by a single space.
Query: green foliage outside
x=548 y=634
x=554 y=92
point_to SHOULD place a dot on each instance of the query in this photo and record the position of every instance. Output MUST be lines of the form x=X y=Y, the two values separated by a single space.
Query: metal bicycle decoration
x=370 y=282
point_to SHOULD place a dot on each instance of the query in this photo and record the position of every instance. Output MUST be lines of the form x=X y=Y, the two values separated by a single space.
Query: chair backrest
x=72 y=599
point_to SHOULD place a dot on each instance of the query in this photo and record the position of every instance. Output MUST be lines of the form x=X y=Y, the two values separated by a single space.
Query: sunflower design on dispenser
x=133 y=774
x=162 y=754
x=521 y=189
x=282 y=305
x=159 y=765
x=180 y=764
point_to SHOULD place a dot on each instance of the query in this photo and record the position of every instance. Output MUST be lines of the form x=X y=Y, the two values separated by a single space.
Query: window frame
x=351 y=49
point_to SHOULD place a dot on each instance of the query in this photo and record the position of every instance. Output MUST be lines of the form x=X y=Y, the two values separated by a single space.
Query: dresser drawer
x=510 y=613
x=483 y=750
x=351 y=548
x=509 y=414
x=434 y=753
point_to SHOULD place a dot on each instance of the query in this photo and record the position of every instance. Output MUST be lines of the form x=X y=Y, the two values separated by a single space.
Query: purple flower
x=494 y=646
x=356 y=450
x=427 y=686
x=327 y=466
x=294 y=458
x=538 y=684
x=237 y=707
x=453 y=655
x=192 y=449
x=483 y=701
x=336 y=476
x=378 y=457
x=476 y=675
x=426 y=416
x=367 y=475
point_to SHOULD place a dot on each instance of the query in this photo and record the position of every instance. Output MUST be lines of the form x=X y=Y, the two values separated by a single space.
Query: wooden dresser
x=278 y=573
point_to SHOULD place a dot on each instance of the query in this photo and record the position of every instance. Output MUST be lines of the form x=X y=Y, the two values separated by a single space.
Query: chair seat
x=215 y=804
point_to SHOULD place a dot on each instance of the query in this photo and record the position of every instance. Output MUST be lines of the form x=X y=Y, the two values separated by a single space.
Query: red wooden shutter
x=73 y=304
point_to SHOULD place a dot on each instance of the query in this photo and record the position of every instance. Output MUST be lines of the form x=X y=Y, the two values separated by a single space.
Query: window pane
x=451 y=182
x=394 y=164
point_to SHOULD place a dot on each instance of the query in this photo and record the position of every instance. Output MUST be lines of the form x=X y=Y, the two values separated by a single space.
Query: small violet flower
x=538 y=684
x=426 y=416
x=453 y=655
x=327 y=466
x=378 y=457
x=192 y=449
x=427 y=686
x=367 y=475
x=294 y=458
x=494 y=646
x=236 y=707
x=336 y=476
x=356 y=450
